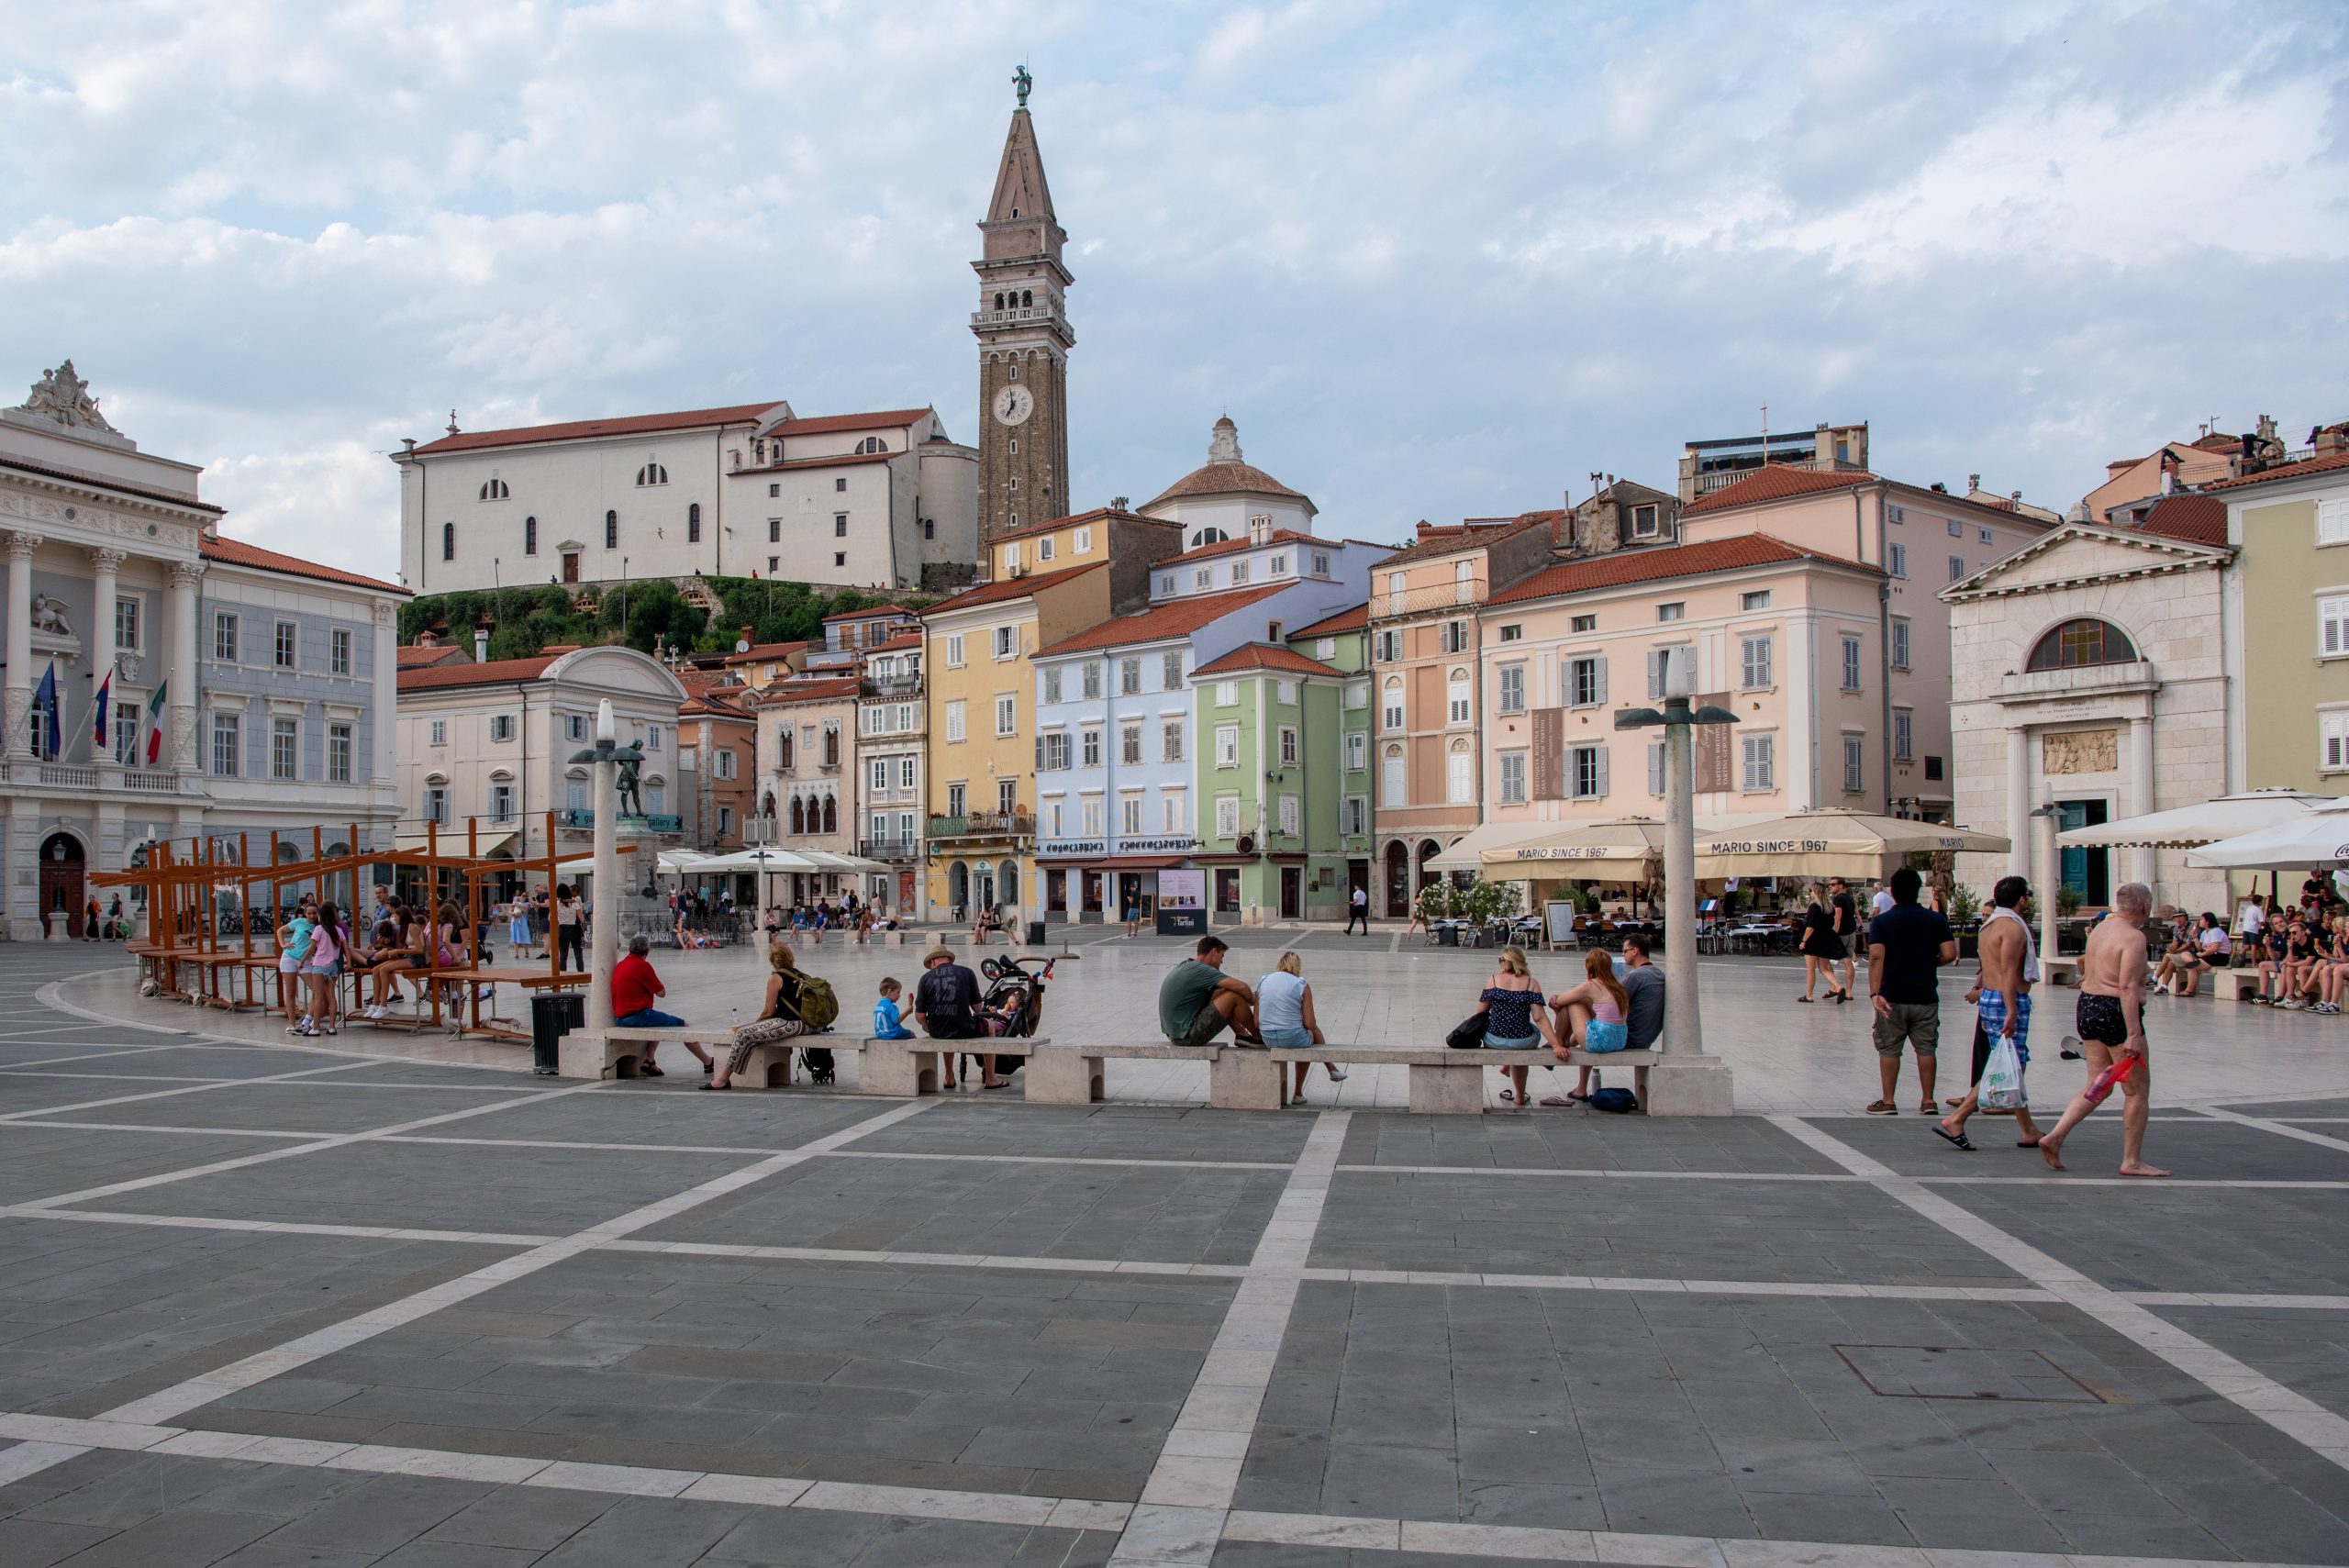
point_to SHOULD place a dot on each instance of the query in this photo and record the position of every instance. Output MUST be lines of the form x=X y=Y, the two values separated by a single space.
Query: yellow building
x=976 y=649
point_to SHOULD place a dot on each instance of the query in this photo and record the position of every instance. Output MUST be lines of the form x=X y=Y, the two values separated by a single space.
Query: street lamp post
x=603 y=946
x=2046 y=871
x=1685 y=1081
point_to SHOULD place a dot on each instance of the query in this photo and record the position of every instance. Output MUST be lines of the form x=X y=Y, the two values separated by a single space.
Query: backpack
x=818 y=1005
x=1619 y=1101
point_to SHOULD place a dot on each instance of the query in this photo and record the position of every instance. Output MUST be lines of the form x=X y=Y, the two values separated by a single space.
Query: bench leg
x=774 y=1066
x=583 y=1055
x=1243 y=1080
x=1063 y=1078
x=898 y=1068
x=1447 y=1090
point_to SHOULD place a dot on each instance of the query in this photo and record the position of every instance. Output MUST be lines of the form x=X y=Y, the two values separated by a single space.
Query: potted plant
x=1965 y=906
x=2067 y=900
x=1435 y=904
x=1485 y=902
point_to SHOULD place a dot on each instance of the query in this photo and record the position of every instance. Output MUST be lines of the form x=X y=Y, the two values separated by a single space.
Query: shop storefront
x=1090 y=883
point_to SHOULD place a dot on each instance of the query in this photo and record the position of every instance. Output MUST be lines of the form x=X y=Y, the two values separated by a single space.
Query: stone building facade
x=1022 y=327
x=2077 y=661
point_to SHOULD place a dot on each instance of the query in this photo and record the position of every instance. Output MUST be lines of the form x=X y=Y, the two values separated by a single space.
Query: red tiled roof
x=2197 y=519
x=833 y=424
x=2324 y=465
x=897 y=644
x=80 y=476
x=844 y=459
x=760 y=653
x=1450 y=541
x=412 y=657
x=1674 y=560
x=1356 y=620
x=1093 y=516
x=237 y=552
x=1226 y=546
x=876 y=612
x=825 y=690
x=1778 y=482
x=1262 y=656
x=1225 y=478
x=1176 y=617
x=584 y=430
x=1009 y=588
x=498 y=671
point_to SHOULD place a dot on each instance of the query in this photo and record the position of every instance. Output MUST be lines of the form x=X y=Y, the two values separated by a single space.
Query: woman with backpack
x=796 y=1004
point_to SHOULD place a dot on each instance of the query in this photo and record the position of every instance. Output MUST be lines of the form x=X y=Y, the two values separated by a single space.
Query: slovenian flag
x=155 y=723
x=98 y=719
x=45 y=698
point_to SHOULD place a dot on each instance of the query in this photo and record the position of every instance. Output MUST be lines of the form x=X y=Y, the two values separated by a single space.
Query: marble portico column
x=105 y=564
x=183 y=676
x=2019 y=824
x=2142 y=861
x=17 y=697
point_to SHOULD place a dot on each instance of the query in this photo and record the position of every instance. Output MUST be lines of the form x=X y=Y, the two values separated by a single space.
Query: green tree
x=644 y=612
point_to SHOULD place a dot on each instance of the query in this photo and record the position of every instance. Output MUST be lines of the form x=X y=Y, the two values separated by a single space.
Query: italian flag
x=155 y=723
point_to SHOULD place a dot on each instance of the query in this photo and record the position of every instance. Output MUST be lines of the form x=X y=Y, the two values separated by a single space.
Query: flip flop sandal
x=1804 y=1000
x=2026 y=1143
x=1946 y=1136
x=721 y=1089
x=1508 y=1097
x=653 y=1073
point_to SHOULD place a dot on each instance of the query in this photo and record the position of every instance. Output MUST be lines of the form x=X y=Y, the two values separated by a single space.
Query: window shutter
x=1656 y=767
x=1602 y=763
x=1655 y=673
x=1602 y=663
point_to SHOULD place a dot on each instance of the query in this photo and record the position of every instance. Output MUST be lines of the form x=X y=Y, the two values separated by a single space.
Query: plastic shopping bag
x=2002 y=1085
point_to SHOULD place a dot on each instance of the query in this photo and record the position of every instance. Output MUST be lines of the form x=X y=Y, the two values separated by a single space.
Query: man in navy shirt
x=1907 y=944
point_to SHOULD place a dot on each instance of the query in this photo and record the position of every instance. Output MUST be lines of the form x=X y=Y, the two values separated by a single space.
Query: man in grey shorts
x=1907 y=944
x=1198 y=1001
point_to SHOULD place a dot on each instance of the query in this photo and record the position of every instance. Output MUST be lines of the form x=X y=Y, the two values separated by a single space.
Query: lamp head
x=603 y=729
x=1679 y=672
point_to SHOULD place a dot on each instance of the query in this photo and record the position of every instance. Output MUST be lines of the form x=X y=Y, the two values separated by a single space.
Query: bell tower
x=1024 y=337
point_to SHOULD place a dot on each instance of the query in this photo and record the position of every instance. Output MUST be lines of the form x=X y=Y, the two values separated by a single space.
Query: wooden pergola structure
x=191 y=958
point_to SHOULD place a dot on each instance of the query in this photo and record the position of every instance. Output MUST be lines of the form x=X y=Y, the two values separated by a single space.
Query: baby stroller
x=1013 y=1004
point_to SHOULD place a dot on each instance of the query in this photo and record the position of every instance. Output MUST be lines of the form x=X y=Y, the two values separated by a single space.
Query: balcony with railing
x=1722 y=478
x=1461 y=593
x=984 y=825
x=85 y=776
x=890 y=685
x=891 y=848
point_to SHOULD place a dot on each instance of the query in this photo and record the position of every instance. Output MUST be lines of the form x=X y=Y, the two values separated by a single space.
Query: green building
x=1283 y=779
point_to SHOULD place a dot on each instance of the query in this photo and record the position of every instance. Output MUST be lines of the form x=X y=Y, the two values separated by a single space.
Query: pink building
x=1919 y=540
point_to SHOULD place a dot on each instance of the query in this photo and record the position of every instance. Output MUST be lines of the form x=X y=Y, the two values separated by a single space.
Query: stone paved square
x=822 y=1328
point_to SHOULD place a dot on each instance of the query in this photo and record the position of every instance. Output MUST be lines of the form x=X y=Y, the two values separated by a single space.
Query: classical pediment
x=2078 y=553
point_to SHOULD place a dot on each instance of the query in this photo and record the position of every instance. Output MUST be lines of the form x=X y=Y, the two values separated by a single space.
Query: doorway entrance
x=2087 y=872
x=61 y=883
x=570 y=566
x=1399 y=880
x=1292 y=893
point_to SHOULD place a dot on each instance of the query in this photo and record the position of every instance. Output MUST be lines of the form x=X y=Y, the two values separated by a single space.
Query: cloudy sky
x=1436 y=260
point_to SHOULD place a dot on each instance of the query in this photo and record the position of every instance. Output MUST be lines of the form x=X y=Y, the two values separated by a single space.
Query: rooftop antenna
x=1766 y=434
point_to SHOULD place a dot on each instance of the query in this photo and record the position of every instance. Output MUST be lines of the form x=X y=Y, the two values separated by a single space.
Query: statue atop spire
x=1022 y=83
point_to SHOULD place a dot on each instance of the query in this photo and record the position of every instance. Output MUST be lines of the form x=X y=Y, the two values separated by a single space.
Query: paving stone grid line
x=1280 y=1258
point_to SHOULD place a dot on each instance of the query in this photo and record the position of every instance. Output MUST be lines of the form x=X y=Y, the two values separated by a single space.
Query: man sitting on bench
x=635 y=986
x=1198 y=1001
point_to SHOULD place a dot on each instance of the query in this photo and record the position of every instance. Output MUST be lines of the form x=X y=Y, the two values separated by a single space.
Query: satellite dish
x=742 y=645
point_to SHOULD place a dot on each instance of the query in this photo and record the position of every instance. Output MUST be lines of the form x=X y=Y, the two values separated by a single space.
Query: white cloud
x=1435 y=262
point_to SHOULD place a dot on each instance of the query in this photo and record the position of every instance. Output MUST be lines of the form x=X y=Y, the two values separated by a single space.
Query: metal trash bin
x=553 y=1014
x=1035 y=933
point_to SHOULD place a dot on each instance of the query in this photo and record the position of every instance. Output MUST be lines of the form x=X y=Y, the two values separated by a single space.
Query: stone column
x=104 y=565
x=2018 y=800
x=183 y=676
x=382 y=758
x=16 y=699
x=2142 y=860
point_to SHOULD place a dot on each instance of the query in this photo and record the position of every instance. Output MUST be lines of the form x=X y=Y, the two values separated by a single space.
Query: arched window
x=1027 y=297
x=611 y=530
x=529 y=535
x=448 y=542
x=998 y=299
x=2079 y=643
x=871 y=444
x=651 y=473
x=693 y=523
x=1207 y=536
x=798 y=815
x=495 y=490
x=832 y=815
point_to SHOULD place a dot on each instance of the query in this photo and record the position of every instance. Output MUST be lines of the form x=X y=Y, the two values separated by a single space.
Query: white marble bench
x=1639 y=1062
x=616 y=1052
x=2234 y=985
x=1443 y=1081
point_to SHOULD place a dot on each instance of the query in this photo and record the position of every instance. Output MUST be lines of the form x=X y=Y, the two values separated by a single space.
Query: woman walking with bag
x=570 y=928
x=1822 y=950
x=779 y=1014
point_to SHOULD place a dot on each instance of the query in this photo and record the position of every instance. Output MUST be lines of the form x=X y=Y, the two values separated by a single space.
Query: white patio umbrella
x=1829 y=843
x=1621 y=849
x=2316 y=837
x=2204 y=822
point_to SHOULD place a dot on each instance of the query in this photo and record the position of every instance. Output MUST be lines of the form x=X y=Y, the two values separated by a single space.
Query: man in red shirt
x=635 y=986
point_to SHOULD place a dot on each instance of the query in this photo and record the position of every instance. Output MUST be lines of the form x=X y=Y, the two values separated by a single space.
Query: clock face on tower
x=1013 y=405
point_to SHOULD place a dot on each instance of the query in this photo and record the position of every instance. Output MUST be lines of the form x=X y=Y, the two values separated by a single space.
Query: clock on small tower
x=1024 y=337
x=1013 y=405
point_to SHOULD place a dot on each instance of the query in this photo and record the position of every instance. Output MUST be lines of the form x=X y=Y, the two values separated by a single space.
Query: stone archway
x=63 y=886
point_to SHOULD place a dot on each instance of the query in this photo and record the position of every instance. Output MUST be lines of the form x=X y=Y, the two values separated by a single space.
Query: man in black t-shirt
x=946 y=1006
x=1907 y=944
x=1845 y=914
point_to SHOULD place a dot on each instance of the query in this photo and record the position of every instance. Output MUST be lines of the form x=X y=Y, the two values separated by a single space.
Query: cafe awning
x=451 y=845
x=1831 y=842
x=2204 y=822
